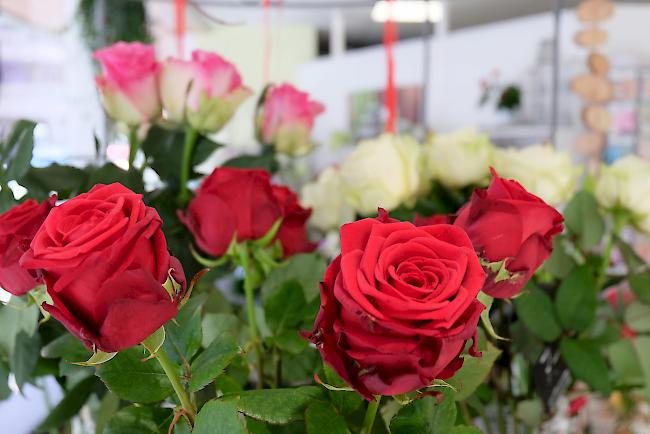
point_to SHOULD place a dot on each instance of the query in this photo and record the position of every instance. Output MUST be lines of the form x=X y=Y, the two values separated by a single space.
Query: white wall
x=459 y=61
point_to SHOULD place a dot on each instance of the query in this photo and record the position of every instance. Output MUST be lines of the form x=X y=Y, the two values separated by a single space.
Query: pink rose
x=287 y=119
x=129 y=82
x=204 y=91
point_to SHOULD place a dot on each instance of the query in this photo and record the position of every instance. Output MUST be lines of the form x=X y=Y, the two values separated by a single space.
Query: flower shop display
x=459 y=299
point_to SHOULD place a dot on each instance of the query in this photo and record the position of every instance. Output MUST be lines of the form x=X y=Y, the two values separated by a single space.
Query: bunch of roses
x=399 y=303
x=203 y=92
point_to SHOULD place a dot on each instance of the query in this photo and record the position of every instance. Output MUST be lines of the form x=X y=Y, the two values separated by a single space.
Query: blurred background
x=506 y=67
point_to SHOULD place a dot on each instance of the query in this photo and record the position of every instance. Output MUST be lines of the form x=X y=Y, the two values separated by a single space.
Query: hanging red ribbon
x=390 y=36
x=180 y=27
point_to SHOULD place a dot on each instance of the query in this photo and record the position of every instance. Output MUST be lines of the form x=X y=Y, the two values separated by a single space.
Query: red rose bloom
x=507 y=223
x=398 y=305
x=436 y=219
x=17 y=228
x=243 y=203
x=104 y=258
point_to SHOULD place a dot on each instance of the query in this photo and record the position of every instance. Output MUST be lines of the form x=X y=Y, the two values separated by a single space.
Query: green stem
x=171 y=370
x=134 y=145
x=371 y=412
x=249 y=290
x=191 y=135
x=501 y=419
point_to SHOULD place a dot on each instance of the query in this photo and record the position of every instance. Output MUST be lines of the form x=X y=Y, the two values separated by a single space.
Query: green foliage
x=131 y=377
x=576 y=300
x=16 y=152
x=265 y=160
x=122 y=22
x=625 y=364
x=219 y=417
x=640 y=284
x=184 y=333
x=637 y=317
x=210 y=363
x=427 y=416
x=277 y=406
x=560 y=263
x=24 y=356
x=536 y=311
x=642 y=350
x=307 y=269
x=70 y=405
x=139 y=420
x=586 y=363
x=474 y=371
x=284 y=307
x=322 y=418
x=583 y=219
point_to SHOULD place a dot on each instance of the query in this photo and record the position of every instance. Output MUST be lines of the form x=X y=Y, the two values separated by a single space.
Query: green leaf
x=5 y=391
x=640 y=284
x=70 y=405
x=66 y=181
x=346 y=402
x=307 y=269
x=107 y=408
x=7 y=200
x=576 y=300
x=203 y=149
x=277 y=406
x=110 y=173
x=284 y=306
x=139 y=420
x=642 y=348
x=211 y=362
x=134 y=379
x=184 y=332
x=473 y=372
x=625 y=364
x=637 y=317
x=18 y=150
x=13 y=320
x=465 y=430
x=560 y=263
x=633 y=261
x=66 y=347
x=536 y=311
x=266 y=160
x=487 y=301
x=97 y=359
x=155 y=341
x=322 y=418
x=219 y=417
x=425 y=416
x=24 y=357
x=164 y=149
x=586 y=363
x=582 y=218
x=215 y=324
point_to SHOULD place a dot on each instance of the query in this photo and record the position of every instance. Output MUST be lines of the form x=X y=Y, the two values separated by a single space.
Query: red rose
x=507 y=223
x=243 y=203
x=436 y=219
x=104 y=258
x=398 y=305
x=17 y=228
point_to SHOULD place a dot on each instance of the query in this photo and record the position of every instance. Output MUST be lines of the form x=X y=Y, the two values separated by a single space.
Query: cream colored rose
x=541 y=169
x=460 y=158
x=329 y=208
x=625 y=185
x=384 y=172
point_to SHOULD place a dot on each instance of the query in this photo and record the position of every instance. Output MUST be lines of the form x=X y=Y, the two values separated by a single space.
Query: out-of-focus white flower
x=385 y=172
x=460 y=158
x=625 y=185
x=541 y=169
x=329 y=208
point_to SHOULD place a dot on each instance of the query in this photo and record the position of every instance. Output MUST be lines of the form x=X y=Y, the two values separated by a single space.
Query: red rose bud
x=512 y=231
x=17 y=228
x=398 y=305
x=243 y=204
x=576 y=405
x=436 y=219
x=105 y=260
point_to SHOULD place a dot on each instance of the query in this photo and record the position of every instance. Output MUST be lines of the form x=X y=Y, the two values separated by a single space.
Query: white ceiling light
x=408 y=11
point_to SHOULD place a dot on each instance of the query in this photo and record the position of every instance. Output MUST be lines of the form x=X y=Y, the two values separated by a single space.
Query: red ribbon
x=391 y=32
x=180 y=27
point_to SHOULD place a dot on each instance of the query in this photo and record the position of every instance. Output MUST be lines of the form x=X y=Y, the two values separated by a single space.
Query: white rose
x=385 y=172
x=460 y=159
x=541 y=169
x=329 y=208
x=625 y=185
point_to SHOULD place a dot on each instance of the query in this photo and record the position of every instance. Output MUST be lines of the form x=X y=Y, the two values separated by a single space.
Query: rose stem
x=134 y=145
x=249 y=288
x=172 y=373
x=371 y=412
x=191 y=135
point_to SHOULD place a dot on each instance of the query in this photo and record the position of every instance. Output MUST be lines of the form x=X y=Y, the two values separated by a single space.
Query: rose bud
x=205 y=91
x=287 y=118
x=129 y=82
x=105 y=260
x=17 y=229
x=243 y=204
x=512 y=232
x=398 y=305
